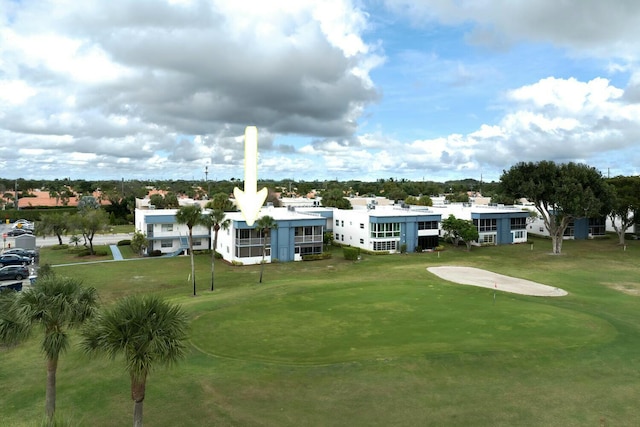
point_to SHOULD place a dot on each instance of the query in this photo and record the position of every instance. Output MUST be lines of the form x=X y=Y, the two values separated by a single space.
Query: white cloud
x=131 y=75
x=600 y=28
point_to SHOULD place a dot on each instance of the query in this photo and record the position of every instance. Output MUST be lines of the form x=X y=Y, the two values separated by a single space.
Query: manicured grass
x=377 y=342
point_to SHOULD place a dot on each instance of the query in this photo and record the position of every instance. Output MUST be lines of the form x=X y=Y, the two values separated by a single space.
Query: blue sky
x=346 y=89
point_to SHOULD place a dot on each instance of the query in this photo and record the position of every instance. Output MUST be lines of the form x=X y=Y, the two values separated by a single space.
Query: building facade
x=386 y=228
x=166 y=235
x=497 y=225
x=297 y=234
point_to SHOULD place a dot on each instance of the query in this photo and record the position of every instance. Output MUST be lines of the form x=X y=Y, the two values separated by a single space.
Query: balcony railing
x=252 y=241
x=309 y=239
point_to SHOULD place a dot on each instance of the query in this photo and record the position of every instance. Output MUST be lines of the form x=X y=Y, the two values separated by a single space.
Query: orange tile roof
x=42 y=199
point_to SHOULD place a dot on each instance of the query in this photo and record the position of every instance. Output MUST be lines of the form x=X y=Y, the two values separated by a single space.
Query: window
x=251 y=251
x=197 y=242
x=518 y=223
x=341 y=223
x=167 y=227
x=486 y=224
x=306 y=250
x=518 y=234
x=388 y=245
x=362 y=241
x=385 y=230
x=489 y=238
x=362 y=225
x=243 y=233
x=597 y=226
x=166 y=243
x=427 y=225
x=342 y=237
x=337 y=236
x=337 y=223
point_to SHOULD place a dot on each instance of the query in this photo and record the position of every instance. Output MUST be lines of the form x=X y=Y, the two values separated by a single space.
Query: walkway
x=115 y=251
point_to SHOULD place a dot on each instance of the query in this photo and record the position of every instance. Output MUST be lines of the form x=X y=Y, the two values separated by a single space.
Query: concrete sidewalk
x=115 y=251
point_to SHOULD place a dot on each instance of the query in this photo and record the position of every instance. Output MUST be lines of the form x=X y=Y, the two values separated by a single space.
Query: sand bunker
x=486 y=279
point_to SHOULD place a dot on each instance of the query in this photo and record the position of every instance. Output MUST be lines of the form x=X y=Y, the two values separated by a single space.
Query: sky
x=430 y=90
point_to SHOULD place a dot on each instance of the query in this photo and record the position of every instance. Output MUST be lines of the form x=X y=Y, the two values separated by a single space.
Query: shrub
x=351 y=253
x=125 y=242
x=237 y=263
x=156 y=252
x=82 y=252
x=101 y=252
x=59 y=247
x=45 y=270
x=315 y=257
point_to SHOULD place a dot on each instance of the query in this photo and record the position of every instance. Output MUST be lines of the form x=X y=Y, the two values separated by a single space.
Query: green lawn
x=378 y=342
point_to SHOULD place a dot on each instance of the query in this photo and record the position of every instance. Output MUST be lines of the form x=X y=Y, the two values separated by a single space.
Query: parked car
x=12 y=259
x=24 y=224
x=27 y=253
x=17 y=286
x=18 y=232
x=14 y=272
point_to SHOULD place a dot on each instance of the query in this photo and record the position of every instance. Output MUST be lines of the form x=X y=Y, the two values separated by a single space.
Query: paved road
x=99 y=239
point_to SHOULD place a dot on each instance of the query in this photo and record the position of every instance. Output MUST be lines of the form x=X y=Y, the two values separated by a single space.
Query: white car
x=22 y=223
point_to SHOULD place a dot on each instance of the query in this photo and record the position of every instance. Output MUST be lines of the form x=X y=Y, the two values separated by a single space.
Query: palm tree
x=147 y=331
x=265 y=224
x=215 y=220
x=190 y=215
x=56 y=304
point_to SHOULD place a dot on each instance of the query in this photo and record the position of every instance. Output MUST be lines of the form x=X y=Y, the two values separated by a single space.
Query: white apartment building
x=299 y=232
x=497 y=225
x=167 y=236
x=386 y=228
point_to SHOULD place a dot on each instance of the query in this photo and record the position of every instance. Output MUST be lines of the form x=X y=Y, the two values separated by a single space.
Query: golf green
x=338 y=324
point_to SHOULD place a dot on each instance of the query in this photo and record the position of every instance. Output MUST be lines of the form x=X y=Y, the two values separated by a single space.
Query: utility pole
x=15 y=189
x=206 y=178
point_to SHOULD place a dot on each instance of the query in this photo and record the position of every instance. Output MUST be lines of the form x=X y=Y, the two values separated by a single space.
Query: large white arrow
x=250 y=200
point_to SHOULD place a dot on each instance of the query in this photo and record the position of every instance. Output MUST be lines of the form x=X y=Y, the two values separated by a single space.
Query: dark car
x=12 y=259
x=18 y=232
x=14 y=272
x=27 y=253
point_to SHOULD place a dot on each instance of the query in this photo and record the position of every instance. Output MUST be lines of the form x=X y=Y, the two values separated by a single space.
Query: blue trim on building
x=160 y=219
x=283 y=238
x=408 y=226
x=503 y=223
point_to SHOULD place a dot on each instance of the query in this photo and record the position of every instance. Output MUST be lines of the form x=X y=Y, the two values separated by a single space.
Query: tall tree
x=265 y=224
x=56 y=304
x=139 y=242
x=215 y=220
x=625 y=204
x=147 y=331
x=457 y=230
x=560 y=193
x=190 y=215
x=56 y=223
x=221 y=202
x=335 y=198
x=89 y=222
